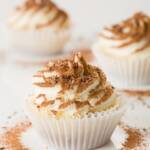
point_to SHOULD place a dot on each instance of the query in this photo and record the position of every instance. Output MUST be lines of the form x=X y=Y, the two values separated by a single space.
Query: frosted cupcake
x=38 y=26
x=123 y=51
x=73 y=106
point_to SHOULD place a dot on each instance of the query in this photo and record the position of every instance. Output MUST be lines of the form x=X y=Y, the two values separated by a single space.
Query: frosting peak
x=71 y=85
x=135 y=30
x=69 y=73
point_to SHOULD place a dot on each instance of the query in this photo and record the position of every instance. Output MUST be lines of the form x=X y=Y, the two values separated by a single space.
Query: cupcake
x=123 y=51
x=73 y=106
x=39 y=27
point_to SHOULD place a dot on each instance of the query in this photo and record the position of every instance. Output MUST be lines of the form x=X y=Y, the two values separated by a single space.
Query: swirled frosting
x=71 y=87
x=39 y=14
x=128 y=37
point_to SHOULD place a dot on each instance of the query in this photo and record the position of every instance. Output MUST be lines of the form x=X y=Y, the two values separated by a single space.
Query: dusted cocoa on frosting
x=130 y=31
x=44 y=12
x=77 y=87
x=71 y=72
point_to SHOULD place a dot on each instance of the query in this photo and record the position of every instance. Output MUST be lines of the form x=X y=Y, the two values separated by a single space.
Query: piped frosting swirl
x=38 y=14
x=131 y=35
x=72 y=87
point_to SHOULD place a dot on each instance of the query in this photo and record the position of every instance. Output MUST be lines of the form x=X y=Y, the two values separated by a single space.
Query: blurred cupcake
x=39 y=27
x=123 y=51
x=73 y=106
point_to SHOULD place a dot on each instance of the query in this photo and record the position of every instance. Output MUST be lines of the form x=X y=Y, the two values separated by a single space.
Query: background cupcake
x=123 y=51
x=38 y=26
x=73 y=106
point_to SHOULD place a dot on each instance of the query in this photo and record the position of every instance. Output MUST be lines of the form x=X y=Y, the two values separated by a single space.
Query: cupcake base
x=90 y=132
x=128 y=72
x=41 y=42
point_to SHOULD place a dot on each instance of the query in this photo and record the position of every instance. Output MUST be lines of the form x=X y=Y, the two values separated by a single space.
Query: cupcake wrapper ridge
x=125 y=73
x=75 y=134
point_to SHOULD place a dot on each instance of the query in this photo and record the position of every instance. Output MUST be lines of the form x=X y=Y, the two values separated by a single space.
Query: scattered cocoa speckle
x=134 y=139
x=136 y=28
x=138 y=93
x=36 y=5
x=10 y=139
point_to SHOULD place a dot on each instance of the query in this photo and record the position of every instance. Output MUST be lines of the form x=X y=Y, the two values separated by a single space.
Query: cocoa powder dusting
x=130 y=31
x=137 y=92
x=10 y=139
x=135 y=138
x=35 y=6
x=73 y=74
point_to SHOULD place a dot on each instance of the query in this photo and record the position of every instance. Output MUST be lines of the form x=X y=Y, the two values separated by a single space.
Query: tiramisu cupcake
x=73 y=106
x=38 y=26
x=123 y=51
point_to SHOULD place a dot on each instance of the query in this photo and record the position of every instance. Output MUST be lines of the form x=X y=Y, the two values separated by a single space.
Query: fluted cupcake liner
x=129 y=72
x=86 y=133
x=42 y=41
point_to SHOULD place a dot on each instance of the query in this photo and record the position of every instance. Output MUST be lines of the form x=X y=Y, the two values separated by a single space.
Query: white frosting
x=39 y=100
x=50 y=92
x=32 y=17
x=70 y=94
x=83 y=96
x=93 y=101
x=50 y=74
x=55 y=106
x=129 y=37
x=109 y=46
x=70 y=110
x=72 y=99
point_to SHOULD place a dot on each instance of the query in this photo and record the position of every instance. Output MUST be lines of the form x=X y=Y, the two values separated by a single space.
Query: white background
x=89 y=16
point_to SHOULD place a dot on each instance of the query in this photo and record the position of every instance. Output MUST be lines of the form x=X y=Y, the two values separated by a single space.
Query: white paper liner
x=125 y=72
x=44 y=41
x=87 y=133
